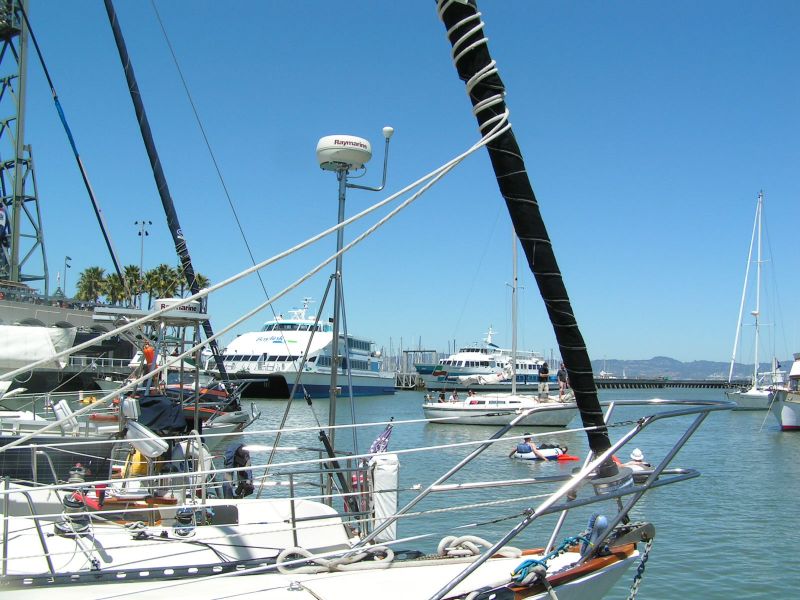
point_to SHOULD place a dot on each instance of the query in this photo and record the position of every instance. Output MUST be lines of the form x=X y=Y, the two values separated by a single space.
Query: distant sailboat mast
x=514 y=316
x=757 y=312
x=755 y=239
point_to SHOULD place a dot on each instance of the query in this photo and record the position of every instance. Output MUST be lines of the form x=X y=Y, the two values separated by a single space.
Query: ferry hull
x=277 y=386
x=439 y=384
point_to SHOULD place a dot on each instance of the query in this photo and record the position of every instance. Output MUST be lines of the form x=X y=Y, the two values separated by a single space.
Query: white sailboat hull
x=145 y=578
x=752 y=399
x=500 y=409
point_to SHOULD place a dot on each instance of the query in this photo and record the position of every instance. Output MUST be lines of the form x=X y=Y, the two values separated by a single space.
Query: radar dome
x=335 y=152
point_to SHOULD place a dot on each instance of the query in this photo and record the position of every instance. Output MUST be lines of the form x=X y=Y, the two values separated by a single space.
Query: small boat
x=550 y=452
x=266 y=363
x=786 y=405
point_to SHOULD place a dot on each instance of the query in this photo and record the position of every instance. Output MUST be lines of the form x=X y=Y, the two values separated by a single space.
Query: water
x=726 y=534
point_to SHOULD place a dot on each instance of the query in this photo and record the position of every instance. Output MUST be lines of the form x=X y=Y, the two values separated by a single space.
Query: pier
x=412 y=381
x=639 y=384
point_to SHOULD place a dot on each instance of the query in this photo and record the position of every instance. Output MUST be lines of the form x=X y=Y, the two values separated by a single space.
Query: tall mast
x=161 y=181
x=514 y=314
x=739 y=321
x=486 y=92
x=757 y=312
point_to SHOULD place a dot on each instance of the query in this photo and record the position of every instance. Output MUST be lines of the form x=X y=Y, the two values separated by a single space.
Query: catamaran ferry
x=484 y=367
x=268 y=361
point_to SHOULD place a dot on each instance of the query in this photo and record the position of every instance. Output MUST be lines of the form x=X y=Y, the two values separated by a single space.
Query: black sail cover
x=516 y=189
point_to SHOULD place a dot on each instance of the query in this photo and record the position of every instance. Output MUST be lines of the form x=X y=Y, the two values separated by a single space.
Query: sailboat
x=761 y=392
x=296 y=544
x=497 y=408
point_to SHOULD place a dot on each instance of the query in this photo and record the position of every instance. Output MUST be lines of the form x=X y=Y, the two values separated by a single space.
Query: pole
x=337 y=303
x=66 y=266
x=143 y=233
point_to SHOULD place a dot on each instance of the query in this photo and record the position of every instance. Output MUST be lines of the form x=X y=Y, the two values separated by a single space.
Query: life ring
x=2 y=295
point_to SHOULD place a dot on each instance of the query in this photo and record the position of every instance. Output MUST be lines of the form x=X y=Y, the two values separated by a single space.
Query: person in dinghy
x=528 y=450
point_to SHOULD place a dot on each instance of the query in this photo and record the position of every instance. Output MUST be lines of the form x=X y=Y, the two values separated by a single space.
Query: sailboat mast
x=161 y=180
x=514 y=314
x=756 y=228
x=757 y=311
x=486 y=91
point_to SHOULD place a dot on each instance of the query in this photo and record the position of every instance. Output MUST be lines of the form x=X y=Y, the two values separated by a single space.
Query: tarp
x=23 y=344
x=161 y=414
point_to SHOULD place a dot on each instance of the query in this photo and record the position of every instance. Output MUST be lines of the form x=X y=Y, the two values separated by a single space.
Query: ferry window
x=313 y=359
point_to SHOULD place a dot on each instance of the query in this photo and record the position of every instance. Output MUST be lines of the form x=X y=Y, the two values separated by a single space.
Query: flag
x=382 y=441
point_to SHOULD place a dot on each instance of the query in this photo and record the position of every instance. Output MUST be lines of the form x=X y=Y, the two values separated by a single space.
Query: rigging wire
x=84 y=175
x=213 y=157
x=217 y=169
x=426 y=181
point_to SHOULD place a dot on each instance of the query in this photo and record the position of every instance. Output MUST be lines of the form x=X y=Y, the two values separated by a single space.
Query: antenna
x=343 y=154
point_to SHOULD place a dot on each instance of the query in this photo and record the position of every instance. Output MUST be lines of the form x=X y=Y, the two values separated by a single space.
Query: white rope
x=352 y=562
x=470 y=545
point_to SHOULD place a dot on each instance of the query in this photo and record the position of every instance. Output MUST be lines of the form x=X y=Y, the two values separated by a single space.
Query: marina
x=366 y=482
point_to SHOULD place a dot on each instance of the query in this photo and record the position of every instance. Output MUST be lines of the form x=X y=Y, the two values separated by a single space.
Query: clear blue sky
x=648 y=129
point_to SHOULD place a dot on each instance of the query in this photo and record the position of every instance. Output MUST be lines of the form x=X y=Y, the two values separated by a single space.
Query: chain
x=637 y=579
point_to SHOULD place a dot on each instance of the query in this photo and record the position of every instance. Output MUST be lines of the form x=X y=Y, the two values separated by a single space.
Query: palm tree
x=115 y=291
x=91 y=284
x=149 y=285
x=181 y=279
x=163 y=283
x=133 y=281
x=184 y=288
x=202 y=280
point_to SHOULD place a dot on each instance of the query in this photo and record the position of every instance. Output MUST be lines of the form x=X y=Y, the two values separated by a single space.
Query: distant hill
x=663 y=366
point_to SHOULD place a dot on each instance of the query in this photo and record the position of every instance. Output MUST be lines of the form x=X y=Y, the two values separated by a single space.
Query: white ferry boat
x=268 y=361
x=483 y=366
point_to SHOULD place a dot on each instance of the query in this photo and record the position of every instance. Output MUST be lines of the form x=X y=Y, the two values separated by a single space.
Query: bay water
x=726 y=534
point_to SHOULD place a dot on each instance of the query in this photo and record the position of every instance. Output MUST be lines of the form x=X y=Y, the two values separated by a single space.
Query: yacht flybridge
x=268 y=361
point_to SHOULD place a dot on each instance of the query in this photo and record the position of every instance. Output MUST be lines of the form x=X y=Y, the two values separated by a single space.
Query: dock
x=640 y=384
x=412 y=381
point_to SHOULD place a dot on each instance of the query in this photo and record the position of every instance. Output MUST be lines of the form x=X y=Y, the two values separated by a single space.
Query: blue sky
x=647 y=129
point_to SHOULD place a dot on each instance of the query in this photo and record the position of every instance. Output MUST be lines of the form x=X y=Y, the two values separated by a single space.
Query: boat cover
x=23 y=344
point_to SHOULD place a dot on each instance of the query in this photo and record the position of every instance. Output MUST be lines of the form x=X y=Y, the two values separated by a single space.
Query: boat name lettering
x=355 y=143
